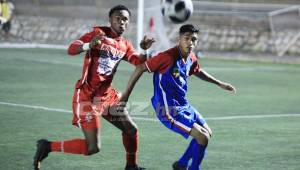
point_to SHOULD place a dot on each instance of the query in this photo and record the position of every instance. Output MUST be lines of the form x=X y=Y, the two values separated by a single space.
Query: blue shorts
x=181 y=119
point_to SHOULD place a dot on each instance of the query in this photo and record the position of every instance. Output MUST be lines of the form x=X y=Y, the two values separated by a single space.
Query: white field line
x=36 y=107
x=55 y=62
x=153 y=119
x=64 y=47
x=32 y=45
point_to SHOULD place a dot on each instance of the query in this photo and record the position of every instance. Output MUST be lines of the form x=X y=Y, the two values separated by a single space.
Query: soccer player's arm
x=157 y=63
x=85 y=42
x=203 y=75
x=135 y=76
x=135 y=58
x=132 y=56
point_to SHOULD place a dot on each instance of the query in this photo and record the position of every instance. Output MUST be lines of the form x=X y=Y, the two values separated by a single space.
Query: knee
x=208 y=130
x=202 y=139
x=202 y=136
x=93 y=150
x=132 y=131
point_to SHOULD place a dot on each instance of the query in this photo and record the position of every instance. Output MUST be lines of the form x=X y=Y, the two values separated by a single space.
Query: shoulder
x=194 y=58
x=126 y=42
x=162 y=61
x=170 y=54
x=100 y=30
x=173 y=51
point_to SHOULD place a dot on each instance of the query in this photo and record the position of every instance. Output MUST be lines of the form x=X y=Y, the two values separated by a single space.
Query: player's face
x=188 y=41
x=119 y=21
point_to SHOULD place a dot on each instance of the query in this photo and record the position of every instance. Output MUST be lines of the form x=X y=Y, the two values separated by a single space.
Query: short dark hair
x=119 y=8
x=188 y=28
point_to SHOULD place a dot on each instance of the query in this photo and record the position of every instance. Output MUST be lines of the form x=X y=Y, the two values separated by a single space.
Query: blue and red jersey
x=170 y=78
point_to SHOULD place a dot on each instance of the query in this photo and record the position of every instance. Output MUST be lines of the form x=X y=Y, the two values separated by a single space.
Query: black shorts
x=6 y=27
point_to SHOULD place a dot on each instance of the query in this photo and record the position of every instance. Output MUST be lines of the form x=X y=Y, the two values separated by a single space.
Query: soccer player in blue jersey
x=171 y=69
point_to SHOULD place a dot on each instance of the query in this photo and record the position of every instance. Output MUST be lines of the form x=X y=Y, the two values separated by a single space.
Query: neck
x=183 y=54
x=114 y=33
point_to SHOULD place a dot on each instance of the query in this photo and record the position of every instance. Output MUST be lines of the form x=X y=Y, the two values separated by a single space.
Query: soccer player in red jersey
x=94 y=95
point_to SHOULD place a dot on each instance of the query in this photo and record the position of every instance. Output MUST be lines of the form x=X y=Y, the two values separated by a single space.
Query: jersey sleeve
x=132 y=56
x=72 y=50
x=86 y=38
x=195 y=68
x=160 y=62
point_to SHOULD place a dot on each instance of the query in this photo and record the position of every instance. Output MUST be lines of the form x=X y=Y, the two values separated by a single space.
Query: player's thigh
x=84 y=116
x=122 y=121
x=119 y=118
x=201 y=121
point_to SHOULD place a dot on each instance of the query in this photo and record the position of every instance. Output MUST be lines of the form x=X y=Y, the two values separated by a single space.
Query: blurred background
x=239 y=26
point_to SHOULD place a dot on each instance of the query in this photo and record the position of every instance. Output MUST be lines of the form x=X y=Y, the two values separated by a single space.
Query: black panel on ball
x=176 y=20
x=180 y=6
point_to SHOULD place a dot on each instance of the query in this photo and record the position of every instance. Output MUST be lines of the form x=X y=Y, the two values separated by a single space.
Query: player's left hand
x=227 y=86
x=146 y=42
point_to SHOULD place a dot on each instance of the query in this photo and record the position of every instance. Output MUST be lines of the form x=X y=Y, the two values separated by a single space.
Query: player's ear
x=178 y=38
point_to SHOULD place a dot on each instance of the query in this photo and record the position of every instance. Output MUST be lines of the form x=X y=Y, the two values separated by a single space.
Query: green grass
x=46 y=78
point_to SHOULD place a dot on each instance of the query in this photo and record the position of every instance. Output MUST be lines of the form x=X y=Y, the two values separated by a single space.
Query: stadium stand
x=242 y=26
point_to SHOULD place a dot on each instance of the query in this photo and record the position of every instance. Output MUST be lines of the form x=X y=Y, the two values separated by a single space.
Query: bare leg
x=129 y=136
x=93 y=140
x=123 y=122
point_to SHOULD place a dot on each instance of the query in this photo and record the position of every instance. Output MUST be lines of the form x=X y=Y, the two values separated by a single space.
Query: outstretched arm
x=209 y=78
x=139 y=70
x=135 y=58
x=83 y=44
x=145 y=44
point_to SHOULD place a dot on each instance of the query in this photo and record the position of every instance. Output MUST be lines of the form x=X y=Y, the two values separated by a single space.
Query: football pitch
x=258 y=128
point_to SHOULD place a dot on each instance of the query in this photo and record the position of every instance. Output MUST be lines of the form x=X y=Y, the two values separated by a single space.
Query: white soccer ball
x=177 y=11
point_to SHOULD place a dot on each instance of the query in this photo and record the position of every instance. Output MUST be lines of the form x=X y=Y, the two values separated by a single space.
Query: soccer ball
x=177 y=11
